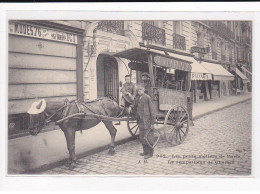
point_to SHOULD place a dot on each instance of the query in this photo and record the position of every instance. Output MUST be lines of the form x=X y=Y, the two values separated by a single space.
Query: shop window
x=18 y=124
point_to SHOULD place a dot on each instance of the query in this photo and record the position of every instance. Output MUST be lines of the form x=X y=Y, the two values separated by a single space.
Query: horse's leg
x=112 y=130
x=70 y=138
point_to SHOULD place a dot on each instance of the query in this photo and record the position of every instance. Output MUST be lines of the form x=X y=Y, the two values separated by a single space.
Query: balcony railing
x=155 y=34
x=223 y=57
x=215 y=55
x=115 y=27
x=220 y=28
x=179 y=42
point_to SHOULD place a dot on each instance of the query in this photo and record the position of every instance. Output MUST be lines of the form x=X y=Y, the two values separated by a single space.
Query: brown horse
x=54 y=111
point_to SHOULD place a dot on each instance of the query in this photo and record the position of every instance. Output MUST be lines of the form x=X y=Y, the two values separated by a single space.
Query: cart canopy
x=160 y=58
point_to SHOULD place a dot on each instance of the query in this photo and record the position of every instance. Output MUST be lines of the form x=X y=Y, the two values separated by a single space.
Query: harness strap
x=81 y=110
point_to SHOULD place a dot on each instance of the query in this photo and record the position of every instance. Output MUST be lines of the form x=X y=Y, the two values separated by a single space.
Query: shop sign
x=172 y=63
x=201 y=76
x=200 y=50
x=40 y=32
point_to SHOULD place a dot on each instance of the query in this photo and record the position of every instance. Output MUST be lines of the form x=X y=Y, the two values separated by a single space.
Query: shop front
x=200 y=78
x=240 y=82
x=45 y=61
x=220 y=84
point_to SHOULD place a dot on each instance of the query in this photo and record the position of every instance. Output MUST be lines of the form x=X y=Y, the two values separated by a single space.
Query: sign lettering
x=200 y=50
x=200 y=76
x=39 y=32
x=169 y=97
x=172 y=63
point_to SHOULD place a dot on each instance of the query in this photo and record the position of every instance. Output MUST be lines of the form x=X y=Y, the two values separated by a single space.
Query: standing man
x=145 y=114
x=129 y=92
x=147 y=83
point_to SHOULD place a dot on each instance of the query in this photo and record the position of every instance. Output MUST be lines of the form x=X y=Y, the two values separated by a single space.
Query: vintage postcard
x=130 y=97
x=138 y=97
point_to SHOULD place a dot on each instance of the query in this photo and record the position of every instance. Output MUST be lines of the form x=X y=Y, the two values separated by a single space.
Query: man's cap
x=145 y=74
x=140 y=85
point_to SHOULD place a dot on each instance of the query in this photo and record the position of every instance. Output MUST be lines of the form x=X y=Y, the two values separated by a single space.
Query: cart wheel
x=133 y=128
x=176 y=125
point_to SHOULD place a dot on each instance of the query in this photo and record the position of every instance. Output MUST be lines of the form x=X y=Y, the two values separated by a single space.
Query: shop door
x=111 y=80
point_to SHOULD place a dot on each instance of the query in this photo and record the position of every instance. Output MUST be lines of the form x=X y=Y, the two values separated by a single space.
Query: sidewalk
x=202 y=108
x=49 y=149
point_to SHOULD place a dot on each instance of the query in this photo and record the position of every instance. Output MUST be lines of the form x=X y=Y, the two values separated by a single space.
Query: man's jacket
x=145 y=111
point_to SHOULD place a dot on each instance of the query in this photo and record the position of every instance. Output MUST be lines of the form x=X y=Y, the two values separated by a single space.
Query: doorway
x=107 y=77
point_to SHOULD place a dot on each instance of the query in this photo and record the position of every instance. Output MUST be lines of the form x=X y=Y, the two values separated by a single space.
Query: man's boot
x=144 y=150
x=149 y=152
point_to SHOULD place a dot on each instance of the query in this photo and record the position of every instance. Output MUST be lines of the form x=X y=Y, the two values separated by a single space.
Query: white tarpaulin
x=198 y=72
x=241 y=75
x=245 y=69
x=218 y=72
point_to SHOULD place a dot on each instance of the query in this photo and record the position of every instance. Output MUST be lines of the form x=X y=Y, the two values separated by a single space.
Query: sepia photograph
x=130 y=97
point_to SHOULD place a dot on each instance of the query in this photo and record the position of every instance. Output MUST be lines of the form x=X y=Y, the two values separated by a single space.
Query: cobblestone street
x=217 y=144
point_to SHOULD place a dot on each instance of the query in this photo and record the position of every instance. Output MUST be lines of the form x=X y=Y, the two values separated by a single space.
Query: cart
x=169 y=87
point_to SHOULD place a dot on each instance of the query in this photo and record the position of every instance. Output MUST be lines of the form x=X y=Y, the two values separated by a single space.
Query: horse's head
x=37 y=117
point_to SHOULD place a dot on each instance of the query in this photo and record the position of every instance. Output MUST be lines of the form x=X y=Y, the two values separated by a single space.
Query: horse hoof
x=111 y=153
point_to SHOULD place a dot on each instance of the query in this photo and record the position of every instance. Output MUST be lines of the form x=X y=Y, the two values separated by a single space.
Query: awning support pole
x=150 y=66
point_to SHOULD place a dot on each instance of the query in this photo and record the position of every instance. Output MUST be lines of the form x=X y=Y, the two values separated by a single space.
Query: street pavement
x=217 y=144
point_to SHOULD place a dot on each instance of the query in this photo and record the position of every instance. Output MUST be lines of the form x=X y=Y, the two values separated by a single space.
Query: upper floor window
x=200 y=39
x=223 y=49
x=177 y=27
x=214 y=48
x=153 y=31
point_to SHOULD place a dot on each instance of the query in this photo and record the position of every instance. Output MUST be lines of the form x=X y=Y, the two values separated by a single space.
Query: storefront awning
x=218 y=72
x=198 y=72
x=240 y=74
x=245 y=69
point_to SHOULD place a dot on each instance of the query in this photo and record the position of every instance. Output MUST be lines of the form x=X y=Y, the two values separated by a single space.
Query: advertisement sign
x=200 y=50
x=39 y=32
x=201 y=76
x=172 y=63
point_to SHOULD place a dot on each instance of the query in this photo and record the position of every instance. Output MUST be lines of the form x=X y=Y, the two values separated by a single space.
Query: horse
x=44 y=112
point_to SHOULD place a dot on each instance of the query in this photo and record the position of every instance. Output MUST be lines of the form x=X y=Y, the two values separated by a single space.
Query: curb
x=120 y=142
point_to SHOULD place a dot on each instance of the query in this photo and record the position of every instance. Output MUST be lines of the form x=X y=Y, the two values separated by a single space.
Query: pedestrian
x=145 y=114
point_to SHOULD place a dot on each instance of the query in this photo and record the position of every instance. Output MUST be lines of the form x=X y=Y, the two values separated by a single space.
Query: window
x=200 y=40
x=177 y=27
x=154 y=23
x=214 y=48
x=223 y=48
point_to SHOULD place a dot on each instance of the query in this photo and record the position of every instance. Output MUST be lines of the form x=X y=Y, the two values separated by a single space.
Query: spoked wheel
x=133 y=128
x=176 y=125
